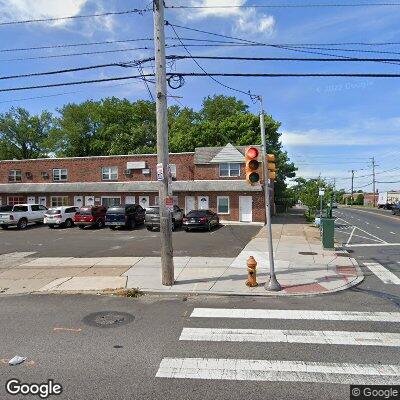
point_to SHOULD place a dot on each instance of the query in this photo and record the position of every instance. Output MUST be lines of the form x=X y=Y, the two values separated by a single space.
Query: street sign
x=169 y=203
x=160 y=172
x=321 y=192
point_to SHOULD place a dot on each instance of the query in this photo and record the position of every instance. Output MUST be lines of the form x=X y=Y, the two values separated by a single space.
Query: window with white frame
x=223 y=205
x=110 y=201
x=13 y=200
x=172 y=168
x=229 y=169
x=14 y=175
x=60 y=174
x=59 y=201
x=109 y=173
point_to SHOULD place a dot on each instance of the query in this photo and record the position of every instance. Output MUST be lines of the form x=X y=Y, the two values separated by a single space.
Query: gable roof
x=207 y=155
x=229 y=153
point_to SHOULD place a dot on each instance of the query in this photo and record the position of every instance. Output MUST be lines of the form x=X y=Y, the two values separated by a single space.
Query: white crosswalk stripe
x=296 y=314
x=287 y=370
x=383 y=274
x=291 y=336
x=283 y=371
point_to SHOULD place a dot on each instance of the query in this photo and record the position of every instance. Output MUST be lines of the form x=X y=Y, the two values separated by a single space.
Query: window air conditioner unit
x=45 y=175
x=146 y=171
x=128 y=172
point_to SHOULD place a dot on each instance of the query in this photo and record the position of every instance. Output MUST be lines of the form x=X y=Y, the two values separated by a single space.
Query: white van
x=60 y=216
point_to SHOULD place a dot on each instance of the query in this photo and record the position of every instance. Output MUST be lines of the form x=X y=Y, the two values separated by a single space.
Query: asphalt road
x=372 y=237
x=225 y=241
x=121 y=361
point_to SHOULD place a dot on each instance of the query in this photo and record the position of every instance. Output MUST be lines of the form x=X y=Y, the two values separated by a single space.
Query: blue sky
x=329 y=125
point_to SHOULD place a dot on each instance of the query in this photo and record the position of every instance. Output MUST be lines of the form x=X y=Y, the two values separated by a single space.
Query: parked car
x=94 y=216
x=153 y=218
x=127 y=216
x=396 y=209
x=21 y=215
x=60 y=216
x=200 y=219
x=5 y=208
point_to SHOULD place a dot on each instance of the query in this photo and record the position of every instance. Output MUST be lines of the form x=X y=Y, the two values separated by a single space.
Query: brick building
x=209 y=177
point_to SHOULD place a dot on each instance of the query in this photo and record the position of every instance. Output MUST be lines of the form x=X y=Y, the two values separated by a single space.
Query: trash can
x=328 y=232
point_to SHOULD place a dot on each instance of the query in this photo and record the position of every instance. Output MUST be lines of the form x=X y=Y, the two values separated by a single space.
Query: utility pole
x=273 y=284
x=373 y=180
x=352 y=186
x=167 y=260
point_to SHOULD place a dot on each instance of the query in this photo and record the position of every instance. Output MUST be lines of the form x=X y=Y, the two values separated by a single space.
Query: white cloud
x=245 y=20
x=368 y=133
x=27 y=9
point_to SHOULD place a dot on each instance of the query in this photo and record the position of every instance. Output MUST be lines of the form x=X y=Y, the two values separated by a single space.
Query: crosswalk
x=382 y=273
x=284 y=370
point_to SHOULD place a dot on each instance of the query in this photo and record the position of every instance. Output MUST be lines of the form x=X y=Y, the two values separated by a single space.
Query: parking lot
x=225 y=241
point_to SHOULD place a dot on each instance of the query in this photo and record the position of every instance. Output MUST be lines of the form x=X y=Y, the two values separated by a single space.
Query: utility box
x=328 y=232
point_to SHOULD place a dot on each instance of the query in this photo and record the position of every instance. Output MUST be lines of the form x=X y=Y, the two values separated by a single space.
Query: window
x=14 y=175
x=223 y=205
x=59 y=201
x=20 y=208
x=60 y=174
x=229 y=169
x=172 y=168
x=13 y=200
x=110 y=201
x=109 y=173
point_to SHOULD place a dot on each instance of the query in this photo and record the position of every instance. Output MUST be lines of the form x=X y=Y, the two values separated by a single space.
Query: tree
x=359 y=199
x=23 y=136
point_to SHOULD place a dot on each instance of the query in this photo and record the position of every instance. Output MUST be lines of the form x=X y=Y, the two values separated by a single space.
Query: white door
x=190 y=203
x=31 y=200
x=245 y=208
x=43 y=201
x=89 y=200
x=202 y=202
x=144 y=201
x=78 y=201
x=129 y=199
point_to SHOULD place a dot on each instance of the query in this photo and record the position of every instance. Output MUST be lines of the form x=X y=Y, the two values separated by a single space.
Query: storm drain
x=307 y=253
x=108 y=319
x=342 y=254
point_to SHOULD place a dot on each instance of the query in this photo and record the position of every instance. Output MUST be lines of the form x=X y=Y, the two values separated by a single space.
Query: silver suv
x=152 y=219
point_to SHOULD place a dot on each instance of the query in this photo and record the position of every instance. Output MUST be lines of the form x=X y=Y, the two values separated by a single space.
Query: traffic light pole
x=273 y=284
x=167 y=261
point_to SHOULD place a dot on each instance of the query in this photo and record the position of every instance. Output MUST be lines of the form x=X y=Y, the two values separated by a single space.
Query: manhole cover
x=307 y=253
x=108 y=319
x=342 y=254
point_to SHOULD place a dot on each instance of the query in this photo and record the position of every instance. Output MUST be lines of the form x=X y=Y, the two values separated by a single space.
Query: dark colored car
x=6 y=208
x=125 y=216
x=396 y=209
x=200 y=219
x=152 y=220
x=91 y=216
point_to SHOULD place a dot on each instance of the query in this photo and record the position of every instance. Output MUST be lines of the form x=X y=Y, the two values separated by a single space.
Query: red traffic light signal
x=252 y=168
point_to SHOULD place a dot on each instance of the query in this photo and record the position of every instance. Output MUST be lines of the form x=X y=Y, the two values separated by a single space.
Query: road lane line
x=393 y=233
x=370 y=234
x=278 y=371
x=291 y=336
x=246 y=313
x=351 y=235
x=383 y=274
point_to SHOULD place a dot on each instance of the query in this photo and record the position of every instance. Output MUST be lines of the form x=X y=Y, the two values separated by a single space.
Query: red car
x=91 y=216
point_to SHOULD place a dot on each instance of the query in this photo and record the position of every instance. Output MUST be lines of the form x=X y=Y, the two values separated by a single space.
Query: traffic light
x=253 y=167
x=271 y=167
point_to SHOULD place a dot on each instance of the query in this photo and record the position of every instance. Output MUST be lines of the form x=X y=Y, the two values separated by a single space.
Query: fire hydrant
x=251 y=272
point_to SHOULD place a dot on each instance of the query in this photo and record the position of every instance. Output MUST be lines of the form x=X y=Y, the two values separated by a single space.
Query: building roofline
x=92 y=157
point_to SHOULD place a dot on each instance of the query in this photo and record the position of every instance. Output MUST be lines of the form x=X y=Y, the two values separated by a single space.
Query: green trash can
x=328 y=232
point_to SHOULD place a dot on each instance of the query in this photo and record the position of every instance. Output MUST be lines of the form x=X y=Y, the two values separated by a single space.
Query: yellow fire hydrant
x=251 y=272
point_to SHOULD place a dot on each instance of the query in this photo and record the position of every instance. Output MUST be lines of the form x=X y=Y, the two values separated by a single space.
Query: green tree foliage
x=359 y=201
x=24 y=136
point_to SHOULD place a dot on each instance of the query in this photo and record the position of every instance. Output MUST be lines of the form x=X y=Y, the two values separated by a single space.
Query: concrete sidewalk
x=302 y=268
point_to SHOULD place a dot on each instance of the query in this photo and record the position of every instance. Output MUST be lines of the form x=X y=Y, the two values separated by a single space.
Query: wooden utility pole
x=352 y=186
x=167 y=260
x=373 y=181
x=273 y=284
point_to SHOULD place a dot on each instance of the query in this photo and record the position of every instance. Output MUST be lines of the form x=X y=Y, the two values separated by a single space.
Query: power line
x=119 y=78
x=315 y=5
x=286 y=75
x=205 y=72
x=346 y=50
x=76 y=54
x=28 y=21
x=388 y=182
